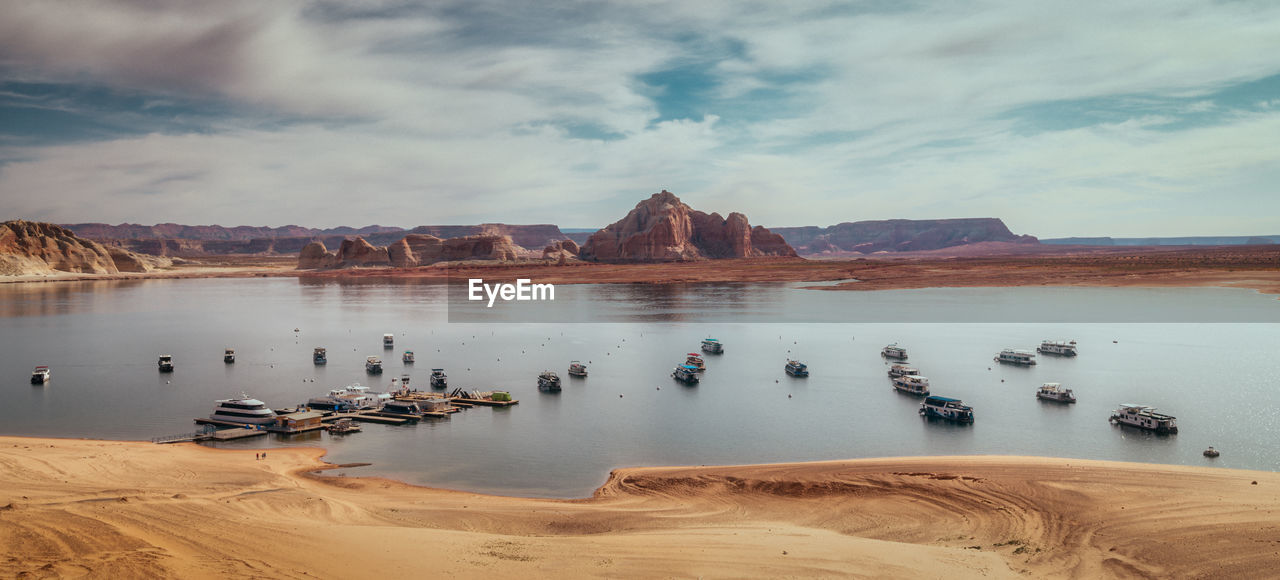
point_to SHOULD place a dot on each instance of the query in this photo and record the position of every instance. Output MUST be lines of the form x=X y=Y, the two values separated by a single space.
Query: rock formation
x=43 y=248
x=664 y=229
x=410 y=251
x=561 y=251
x=898 y=235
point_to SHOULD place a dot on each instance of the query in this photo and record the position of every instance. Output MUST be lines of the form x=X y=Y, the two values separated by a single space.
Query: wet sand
x=128 y=509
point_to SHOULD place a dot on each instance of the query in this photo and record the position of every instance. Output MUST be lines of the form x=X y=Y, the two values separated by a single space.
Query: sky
x=1064 y=119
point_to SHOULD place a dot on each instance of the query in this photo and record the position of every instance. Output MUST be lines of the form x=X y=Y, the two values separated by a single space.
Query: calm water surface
x=102 y=340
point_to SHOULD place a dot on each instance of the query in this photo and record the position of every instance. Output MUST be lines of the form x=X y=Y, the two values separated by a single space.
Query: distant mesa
x=411 y=251
x=898 y=235
x=664 y=229
x=39 y=248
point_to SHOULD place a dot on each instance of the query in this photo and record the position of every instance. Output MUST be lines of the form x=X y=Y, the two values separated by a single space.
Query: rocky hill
x=43 y=248
x=664 y=229
x=899 y=235
x=170 y=231
x=410 y=251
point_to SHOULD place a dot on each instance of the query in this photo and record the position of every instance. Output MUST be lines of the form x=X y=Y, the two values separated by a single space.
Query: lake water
x=102 y=339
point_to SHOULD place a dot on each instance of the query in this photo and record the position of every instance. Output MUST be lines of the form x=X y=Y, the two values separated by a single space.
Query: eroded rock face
x=664 y=229
x=127 y=261
x=315 y=256
x=411 y=251
x=561 y=251
x=899 y=235
x=43 y=248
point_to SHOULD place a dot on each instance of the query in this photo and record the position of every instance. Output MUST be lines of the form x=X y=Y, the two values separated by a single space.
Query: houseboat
x=343 y=426
x=894 y=351
x=796 y=368
x=577 y=369
x=229 y=355
x=318 y=356
x=1055 y=392
x=40 y=375
x=694 y=359
x=350 y=398
x=243 y=410
x=1058 y=348
x=407 y=357
x=912 y=385
x=548 y=381
x=713 y=346
x=388 y=341
x=686 y=374
x=165 y=363
x=1144 y=417
x=403 y=408
x=373 y=365
x=946 y=408
x=439 y=380
x=896 y=371
x=1016 y=357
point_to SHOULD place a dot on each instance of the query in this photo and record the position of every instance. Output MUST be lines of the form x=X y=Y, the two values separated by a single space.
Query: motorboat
x=388 y=341
x=695 y=360
x=40 y=375
x=896 y=371
x=1057 y=348
x=407 y=357
x=912 y=385
x=165 y=363
x=894 y=351
x=438 y=379
x=687 y=374
x=243 y=410
x=577 y=369
x=1144 y=417
x=946 y=408
x=713 y=346
x=373 y=365
x=1055 y=392
x=796 y=368
x=1016 y=357
x=319 y=356
x=343 y=426
x=548 y=381
x=229 y=355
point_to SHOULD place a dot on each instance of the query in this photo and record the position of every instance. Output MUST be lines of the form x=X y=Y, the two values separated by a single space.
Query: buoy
x=788 y=395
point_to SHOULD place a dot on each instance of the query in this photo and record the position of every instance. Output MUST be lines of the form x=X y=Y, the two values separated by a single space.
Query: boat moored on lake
x=894 y=351
x=1055 y=392
x=1016 y=357
x=946 y=408
x=1057 y=348
x=373 y=365
x=438 y=379
x=165 y=363
x=712 y=346
x=343 y=426
x=243 y=410
x=40 y=375
x=577 y=369
x=407 y=357
x=229 y=355
x=319 y=356
x=548 y=381
x=912 y=385
x=796 y=368
x=694 y=359
x=1144 y=417
x=687 y=374
x=388 y=341
x=896 y=371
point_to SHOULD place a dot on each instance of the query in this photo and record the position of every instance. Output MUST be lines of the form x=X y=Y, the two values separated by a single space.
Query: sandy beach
x=130 y=509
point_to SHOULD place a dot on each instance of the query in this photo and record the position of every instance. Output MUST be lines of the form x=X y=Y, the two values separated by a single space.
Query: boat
x=894 y=351
x=896 y=371
x=1055 y=392
x=687 y=374
x=438 y=379
x=388 y=340
x=694 y=359
x=243 y=410
x=946 y=408
x=405 y=408
x=577 y=369
x=548 y=381
x=1144 y=417
x=912 y=385
x=1058 y=348
x=796 y=368
x=349 y=398
x=373 y=365
x=404 y=382
x=343 y=426
x=229 y=355
x=713 y=346
x=165 y=363
x=1211 y=452
x=407 y=357
x=1016 y=357
x=318 y=356
x=40 y=375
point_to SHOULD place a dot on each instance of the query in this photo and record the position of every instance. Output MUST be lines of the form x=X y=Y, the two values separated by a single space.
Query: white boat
x=548 y=381
x=229 y=355
x=165 y=363
x=373 y=365
x=712 y=345
x=796 y=368
x=1016 y=357
x=350 y=398
x=894 y=351
x=40 y=375
x=1055 y=392
x=343 y=426
x=1144 y=417
x=896 y=371
x=318 y=356
x=388 y=340
x=687 y=374
x=243 y=410
x=947 y=408
x=1058 y=348
x=912 y=385
x=439 y=380
x=577 y=369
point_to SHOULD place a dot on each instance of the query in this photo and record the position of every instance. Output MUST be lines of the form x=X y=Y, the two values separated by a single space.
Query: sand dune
x=124 y=509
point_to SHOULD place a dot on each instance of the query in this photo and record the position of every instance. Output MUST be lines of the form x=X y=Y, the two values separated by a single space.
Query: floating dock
x=484 y=402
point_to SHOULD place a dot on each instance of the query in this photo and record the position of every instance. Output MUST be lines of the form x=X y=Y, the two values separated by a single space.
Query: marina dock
x=484 y=402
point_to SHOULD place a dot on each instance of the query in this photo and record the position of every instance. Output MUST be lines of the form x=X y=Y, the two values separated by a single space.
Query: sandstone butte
x=664 y=229
x=38 y=248
x=411 y=251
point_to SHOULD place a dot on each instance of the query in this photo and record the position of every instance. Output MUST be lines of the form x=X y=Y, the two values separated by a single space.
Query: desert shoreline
x=128 y=509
